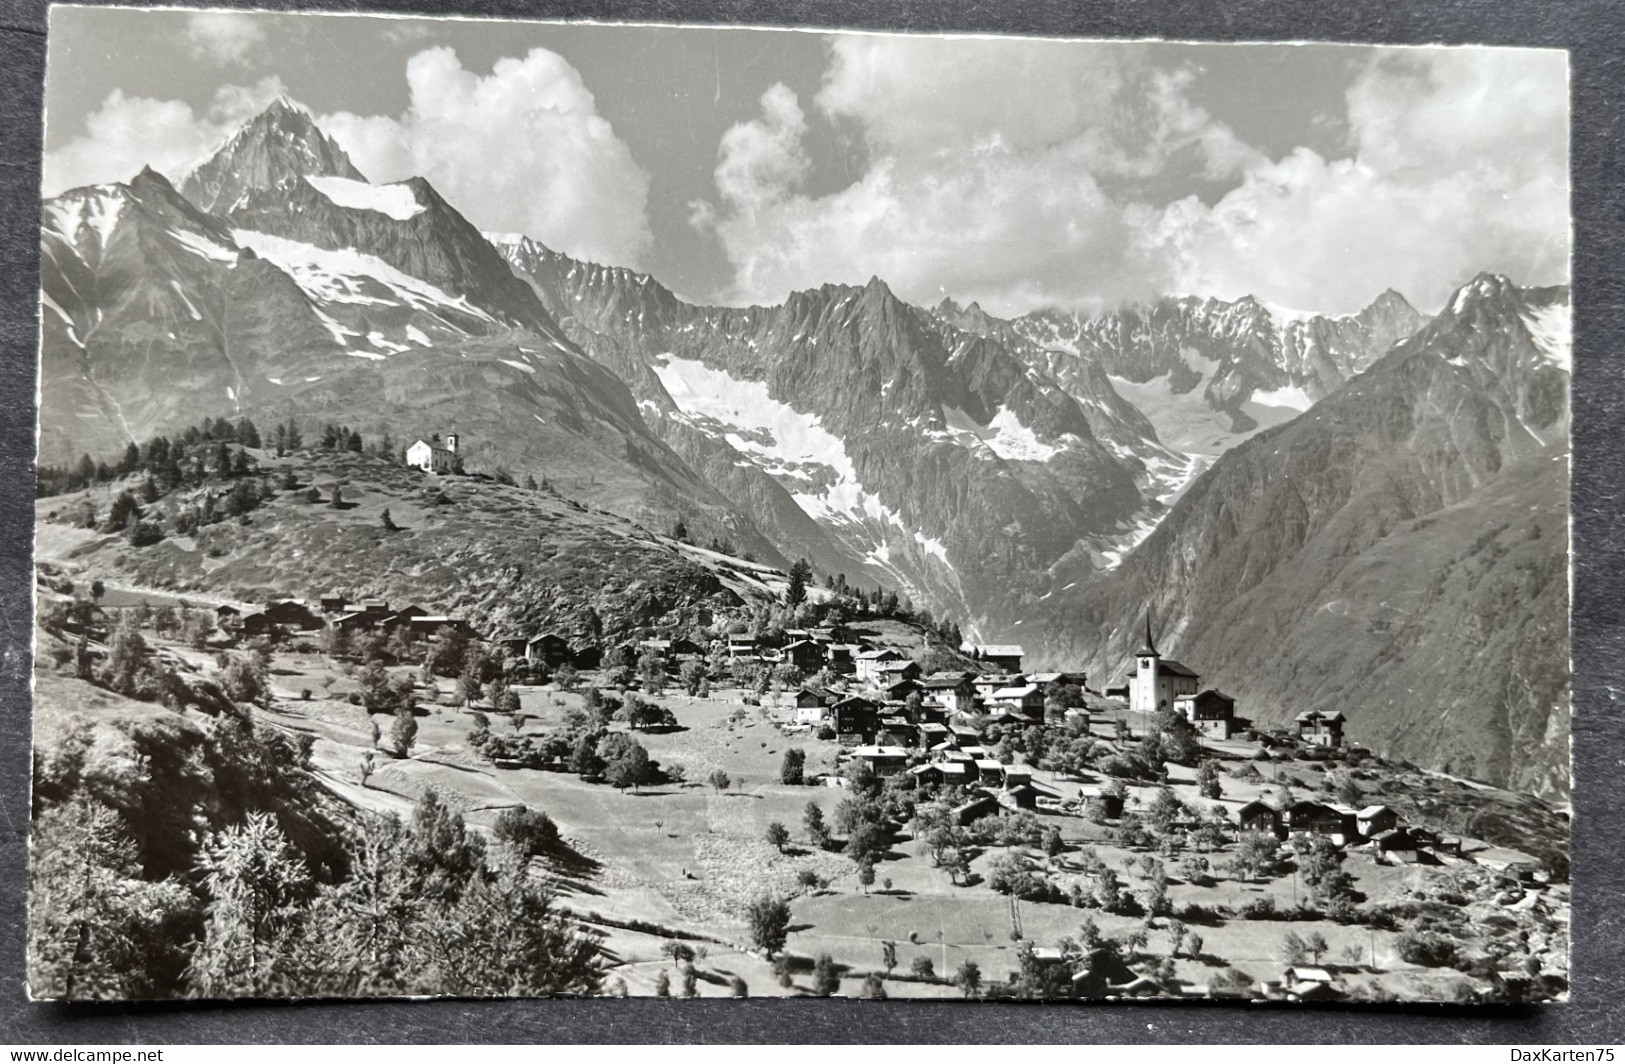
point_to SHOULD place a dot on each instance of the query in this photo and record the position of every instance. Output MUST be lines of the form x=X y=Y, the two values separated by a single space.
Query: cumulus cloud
x=991 y=175
x=997 y=225
x=126 y=133
x=222 y=37
x=1022 y=174
x=1459 y=164
x=522 y=149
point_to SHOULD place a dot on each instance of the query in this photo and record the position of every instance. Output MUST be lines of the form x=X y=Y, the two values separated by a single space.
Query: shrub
x=1258 y=909
x=793 y=768
x=145 y=534
x=528 y=831
x=826 y=977
x=1427 y=948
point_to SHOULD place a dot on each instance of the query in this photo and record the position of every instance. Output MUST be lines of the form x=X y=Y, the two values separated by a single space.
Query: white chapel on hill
x=431 y=457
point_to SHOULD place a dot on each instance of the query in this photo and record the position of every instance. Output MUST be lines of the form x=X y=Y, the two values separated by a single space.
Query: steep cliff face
x=877 y=438
x=1209 y=372
x=279 y=143
x=1398 y=553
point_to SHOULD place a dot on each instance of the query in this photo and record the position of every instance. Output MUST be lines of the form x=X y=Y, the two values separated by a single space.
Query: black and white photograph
x=537 y=508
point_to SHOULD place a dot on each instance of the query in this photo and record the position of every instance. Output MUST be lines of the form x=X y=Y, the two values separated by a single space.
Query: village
x=918 y=818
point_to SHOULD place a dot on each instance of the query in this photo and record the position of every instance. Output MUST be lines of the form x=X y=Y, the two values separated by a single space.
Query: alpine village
x=334 y=699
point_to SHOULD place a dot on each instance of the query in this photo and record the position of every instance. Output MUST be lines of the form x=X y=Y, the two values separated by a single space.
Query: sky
x=739 y=165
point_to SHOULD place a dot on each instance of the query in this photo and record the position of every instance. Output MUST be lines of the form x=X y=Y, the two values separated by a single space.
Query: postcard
x=544 y=508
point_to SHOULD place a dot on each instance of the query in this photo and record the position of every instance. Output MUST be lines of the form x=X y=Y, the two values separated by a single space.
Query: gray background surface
x=1595 y=1014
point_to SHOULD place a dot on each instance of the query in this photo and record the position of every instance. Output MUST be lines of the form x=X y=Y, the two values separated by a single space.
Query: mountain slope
x=153 y=315
x=407 y=226
x=326 y=297
x=1209 y=372
x=868 y=434
x=1398 y=553
x=505 y=559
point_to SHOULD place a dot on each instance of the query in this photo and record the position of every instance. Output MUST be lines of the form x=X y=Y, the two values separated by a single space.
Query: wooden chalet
x=1396 y=844
x=951 y=690
x=884 y=759
x=855 y=719
x=899 y=690
x=807 y=698
x=510 y=645
x=293 y=615
x=1021 y=796
x=989 y=770
x=841 y=657
x=804 y=654
x=403 y=616
x=1320 y=728
x=896 y=730
x=975 y=809
x=1259 y=815
x=432 y=624
x=1026 y=699
x=1375 y=819
x=868 y=662
x=1105 y=974
x=1005 y=657
x=1212 y=713
x=548 y=648
x=811 y=707
x=1338 y=822
x=941 y=774
x=1109 y=805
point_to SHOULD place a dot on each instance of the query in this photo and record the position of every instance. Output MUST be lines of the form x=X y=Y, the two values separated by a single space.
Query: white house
x=432 y=458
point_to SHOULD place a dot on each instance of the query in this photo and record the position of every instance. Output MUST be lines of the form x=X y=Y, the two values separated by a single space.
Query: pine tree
x=96 y=928
x=800 y=574
x=257 y=886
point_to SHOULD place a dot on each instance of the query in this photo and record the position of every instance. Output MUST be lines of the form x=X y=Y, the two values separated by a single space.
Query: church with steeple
x=1155 y=680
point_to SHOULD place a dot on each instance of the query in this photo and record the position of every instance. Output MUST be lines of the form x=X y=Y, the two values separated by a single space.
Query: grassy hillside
x=502 y=558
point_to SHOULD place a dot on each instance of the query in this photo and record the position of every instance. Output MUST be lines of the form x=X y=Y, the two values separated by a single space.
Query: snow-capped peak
x=1551 y=327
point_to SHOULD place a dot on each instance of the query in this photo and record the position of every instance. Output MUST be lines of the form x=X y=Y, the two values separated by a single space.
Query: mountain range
x=1249 y=474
